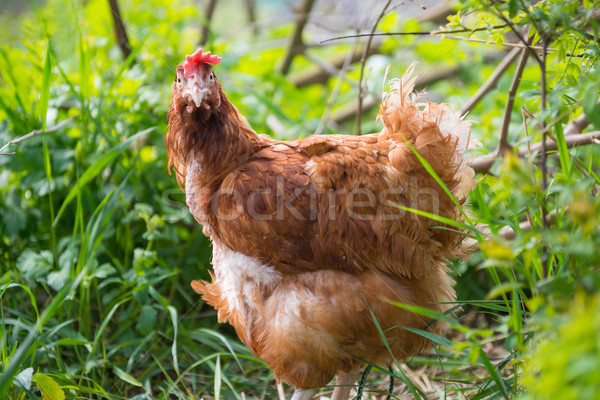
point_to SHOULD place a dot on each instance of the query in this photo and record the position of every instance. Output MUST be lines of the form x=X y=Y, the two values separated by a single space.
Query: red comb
x=197 y=58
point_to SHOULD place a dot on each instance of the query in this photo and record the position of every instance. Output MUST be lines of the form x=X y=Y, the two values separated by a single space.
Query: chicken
x=309 y=246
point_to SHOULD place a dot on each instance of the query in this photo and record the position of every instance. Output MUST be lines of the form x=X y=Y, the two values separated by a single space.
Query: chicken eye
x=178 y=80
x=211 y=76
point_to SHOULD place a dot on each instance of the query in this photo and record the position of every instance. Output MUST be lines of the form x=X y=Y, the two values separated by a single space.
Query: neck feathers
x=218 y=140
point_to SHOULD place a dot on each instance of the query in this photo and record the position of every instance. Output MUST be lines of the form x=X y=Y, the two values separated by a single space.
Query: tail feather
x=402 y=112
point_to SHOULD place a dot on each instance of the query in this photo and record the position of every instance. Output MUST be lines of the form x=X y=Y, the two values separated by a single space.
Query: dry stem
x=491 y=82
x=294 y=46
x=120 y=31
x=33 y=133
x=362 y=66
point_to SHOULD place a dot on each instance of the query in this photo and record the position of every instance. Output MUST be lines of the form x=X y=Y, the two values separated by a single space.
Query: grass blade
x=128 y=61
x=405 y=378
x=217 y=385
x=25 y=347
x=426 y=312
x=563 y=152
x=431 y=336
x=493 y=373
x=127 y=377
x=95 y=169
x=439 y=218
x=435 y=176
x=44 y=98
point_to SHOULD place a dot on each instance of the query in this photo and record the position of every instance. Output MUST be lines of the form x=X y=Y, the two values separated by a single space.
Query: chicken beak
x=195 y=90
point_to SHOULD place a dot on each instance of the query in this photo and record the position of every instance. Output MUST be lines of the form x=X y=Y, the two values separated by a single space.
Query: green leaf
x=435 y=176
x=23 y=380
x=147 y=320
x=95 y=169
x=441 y=219
x=173 y=314
x=493 y=373
x=127 y=377
x=504 y=288
x=431 y=336
x=563 y=151
x=25 y=347
x=128 y=61
x=49 y=388
x=513 y=7
x=217 y=384
x=225 y=341
x=405 y=378
x=45 y=94
x=426 y=312
x=35 y=265
x=591 y=107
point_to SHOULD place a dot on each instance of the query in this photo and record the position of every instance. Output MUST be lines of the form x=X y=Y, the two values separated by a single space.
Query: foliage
x=97 y=248
x=567 y=354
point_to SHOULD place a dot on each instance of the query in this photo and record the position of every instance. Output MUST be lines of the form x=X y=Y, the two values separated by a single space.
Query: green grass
x=97 y=248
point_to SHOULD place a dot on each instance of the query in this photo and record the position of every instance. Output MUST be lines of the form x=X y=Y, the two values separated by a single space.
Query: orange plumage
x=308 y=244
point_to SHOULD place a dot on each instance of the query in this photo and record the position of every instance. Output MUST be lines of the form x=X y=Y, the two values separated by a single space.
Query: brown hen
x=309 y=246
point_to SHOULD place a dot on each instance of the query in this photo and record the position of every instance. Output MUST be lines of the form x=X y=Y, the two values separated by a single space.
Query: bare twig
x=491 y=82
x=251 y=16
x=448 y=35
x=294 y=46
x=331 y=69
x=484 y=163
x=334 y=93
x=413 y=33
x=280 y=391
x=209 y=10
x=319 y=74
x=519 y=35
x=437 y=14
x=524 y=115
x=508 y=233
x=503 y=144
x=348 y=111
x=577 y=126
x=54 y=128
x=505 y=44
x=120 y=31
x=362 y=66
x=544 y=165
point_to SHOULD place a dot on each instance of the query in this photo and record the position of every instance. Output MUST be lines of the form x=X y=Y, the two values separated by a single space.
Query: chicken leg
x=344 y=384
x=304 y=394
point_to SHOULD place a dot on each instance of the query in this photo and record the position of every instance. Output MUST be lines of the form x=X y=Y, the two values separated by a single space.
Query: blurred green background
x=97 y=248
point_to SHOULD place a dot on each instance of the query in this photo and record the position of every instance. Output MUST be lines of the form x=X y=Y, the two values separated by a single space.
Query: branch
x=491 y=82
x=414 y=33
x=484 y=163
x=209 y=10
x=250 y=6
x=507 y=232
x=508 y=44
x=120 y=31
x=319 y=75
x=294 y=46
x=362 y=66
x=348 y=111
x=437 y=14
x=35 y=132
x=577 y=126
x=544 y=166
x=503 y=144
x=519 y=35
x=334 y=93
